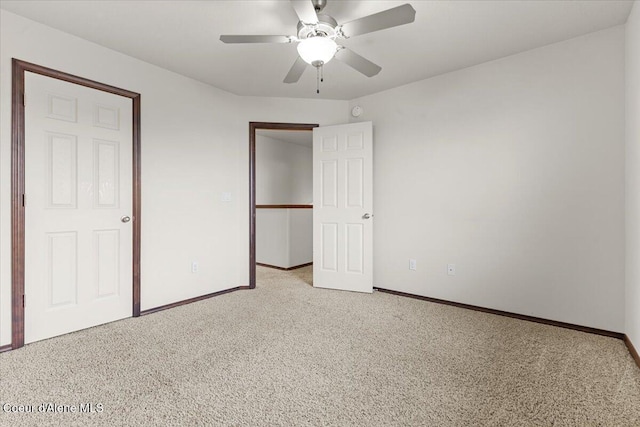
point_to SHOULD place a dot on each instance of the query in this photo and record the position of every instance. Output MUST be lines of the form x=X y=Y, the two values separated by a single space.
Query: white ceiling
x=183 y=36
x=300 y=137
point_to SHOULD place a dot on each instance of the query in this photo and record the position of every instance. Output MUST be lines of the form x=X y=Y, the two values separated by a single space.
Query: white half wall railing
x=284 y=235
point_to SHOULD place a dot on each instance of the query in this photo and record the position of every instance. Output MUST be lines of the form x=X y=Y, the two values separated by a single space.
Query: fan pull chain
x=319 y=77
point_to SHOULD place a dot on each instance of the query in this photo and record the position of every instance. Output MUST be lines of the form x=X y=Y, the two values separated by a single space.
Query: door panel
x=61 y=170
x=107 y=261
x=342 y=194
x=329 y=183
x=329 y=247
x=354 y=248
x=78 y=184
x=61 y=269
x=355 y=182
x=106 y=166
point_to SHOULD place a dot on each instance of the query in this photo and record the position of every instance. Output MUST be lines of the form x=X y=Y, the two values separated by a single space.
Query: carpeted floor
x=291 y=355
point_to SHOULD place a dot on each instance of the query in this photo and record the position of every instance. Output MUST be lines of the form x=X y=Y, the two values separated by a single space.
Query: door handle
x=125 y=219
x=366 y=216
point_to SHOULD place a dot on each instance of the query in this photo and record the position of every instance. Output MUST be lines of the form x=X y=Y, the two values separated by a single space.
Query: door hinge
x=24 y=200
x=24 y=100
x=23 y=301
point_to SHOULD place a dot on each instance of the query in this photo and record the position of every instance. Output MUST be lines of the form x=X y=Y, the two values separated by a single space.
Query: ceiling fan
x=317 y=34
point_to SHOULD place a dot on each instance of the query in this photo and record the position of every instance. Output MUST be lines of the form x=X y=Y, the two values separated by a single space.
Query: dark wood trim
x=137 y=202
x=190 y=300
x=284 y=268
x=17 y=210
x=508 y=314
x=19 y=68
x=632 y=350
x=284 y=206
x=60 y=75
x=6 y=347
x=253 y=126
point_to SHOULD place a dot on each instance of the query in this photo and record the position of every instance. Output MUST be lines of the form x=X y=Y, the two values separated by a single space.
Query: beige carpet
x=291 y=355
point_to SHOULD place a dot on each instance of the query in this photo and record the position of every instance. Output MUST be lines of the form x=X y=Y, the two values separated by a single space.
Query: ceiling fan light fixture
x=317 y=34
x=317 y=50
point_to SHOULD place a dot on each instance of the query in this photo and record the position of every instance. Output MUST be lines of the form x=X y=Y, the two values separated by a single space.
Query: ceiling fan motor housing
x=326 y=27
x=318 y=5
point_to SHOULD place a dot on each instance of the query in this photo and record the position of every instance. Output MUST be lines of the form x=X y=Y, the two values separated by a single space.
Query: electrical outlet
x=412 y=264
x=451 y=269
x=225 y=197
x=194 y=266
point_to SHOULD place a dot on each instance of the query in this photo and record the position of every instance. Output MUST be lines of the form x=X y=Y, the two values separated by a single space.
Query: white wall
x=194 y=147
x=301 y=237
x=272 y=237
x=514 y=171
x=632 y=310
x=284 y=174
x=284 y=237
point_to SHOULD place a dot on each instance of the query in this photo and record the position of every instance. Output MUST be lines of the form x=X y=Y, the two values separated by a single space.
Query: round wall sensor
x=356 y=111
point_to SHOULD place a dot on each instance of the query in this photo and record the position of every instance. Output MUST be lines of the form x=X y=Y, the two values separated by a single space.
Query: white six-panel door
x=342 y=207
x=78 y=180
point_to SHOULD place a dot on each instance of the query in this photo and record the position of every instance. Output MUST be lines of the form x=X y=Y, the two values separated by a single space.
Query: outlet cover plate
x=451 y=269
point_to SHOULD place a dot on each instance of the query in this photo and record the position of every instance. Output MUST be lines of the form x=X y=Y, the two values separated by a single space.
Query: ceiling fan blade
x=357 y=62
x=255 y=39
x=400 y=15
x=296 y=71
x=305 y=10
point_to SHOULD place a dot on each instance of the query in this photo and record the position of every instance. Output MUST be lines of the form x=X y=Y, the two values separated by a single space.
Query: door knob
x=125 y=219
x=366 y=216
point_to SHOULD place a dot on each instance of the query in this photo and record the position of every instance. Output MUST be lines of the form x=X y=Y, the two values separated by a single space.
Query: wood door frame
x=253 y=126
x=18 y=185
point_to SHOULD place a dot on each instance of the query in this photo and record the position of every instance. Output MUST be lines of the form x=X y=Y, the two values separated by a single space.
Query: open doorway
x=280 y=199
